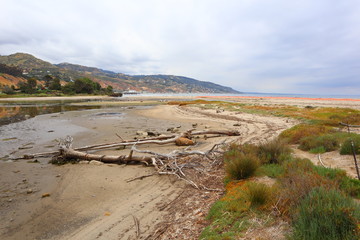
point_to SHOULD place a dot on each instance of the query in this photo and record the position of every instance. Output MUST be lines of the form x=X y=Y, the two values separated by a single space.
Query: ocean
x=249 y=94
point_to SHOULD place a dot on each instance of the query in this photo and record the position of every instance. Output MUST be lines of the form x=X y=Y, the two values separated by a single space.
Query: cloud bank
x=251 y=45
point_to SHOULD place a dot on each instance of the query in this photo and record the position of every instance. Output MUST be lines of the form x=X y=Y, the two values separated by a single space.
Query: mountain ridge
x=161 y=83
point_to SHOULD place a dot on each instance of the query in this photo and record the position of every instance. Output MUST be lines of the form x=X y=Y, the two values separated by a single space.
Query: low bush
x=316 y=150
x=298 y=180
x=348 y=185
x=326 y=214
x=275 y=151
x=327 y=143
x=296 y=133
x=346 y=148
x=270 y=170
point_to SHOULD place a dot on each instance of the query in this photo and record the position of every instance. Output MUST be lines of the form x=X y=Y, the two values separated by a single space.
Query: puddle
x=109 y=114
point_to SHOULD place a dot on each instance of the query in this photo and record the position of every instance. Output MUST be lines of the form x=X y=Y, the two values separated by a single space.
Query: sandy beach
x=94 y=201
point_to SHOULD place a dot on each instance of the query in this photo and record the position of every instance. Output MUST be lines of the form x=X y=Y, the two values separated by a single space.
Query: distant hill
x=34 y=67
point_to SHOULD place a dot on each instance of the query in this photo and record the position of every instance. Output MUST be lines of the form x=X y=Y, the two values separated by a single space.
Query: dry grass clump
x=275 y=151
x=239 y=165
x=260 y=195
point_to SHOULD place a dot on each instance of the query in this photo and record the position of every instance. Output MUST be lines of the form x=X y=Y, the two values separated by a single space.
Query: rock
x=206 y=126
x=44 y=195
x=175 y=130
x=184 y=142
x=142 y=133
x=10 y=200
x=59 y=175
x=194 y=125
x=29 y=191
x=96 y=163
x=237 y=125
x=152 y=133
x=170 y=129
x=83 y=162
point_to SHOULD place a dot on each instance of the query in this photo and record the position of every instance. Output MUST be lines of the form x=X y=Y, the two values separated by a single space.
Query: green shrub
x=275 y=151
x=326 y=214
x=296 y=133
x=348 y=185
x=320 y=149
x=328 y=142
x=240 y=166
x=346 y=148
x=270 y=170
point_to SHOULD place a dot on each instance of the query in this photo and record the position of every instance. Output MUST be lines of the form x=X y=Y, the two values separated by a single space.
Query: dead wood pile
x=174 y=163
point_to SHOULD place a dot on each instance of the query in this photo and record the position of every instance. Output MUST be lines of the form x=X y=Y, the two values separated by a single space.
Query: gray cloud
x=267 y=46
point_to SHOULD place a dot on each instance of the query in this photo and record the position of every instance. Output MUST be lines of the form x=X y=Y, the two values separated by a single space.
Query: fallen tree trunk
x=69 y=153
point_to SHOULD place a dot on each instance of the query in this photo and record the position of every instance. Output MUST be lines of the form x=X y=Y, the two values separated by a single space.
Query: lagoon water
x=15 y=111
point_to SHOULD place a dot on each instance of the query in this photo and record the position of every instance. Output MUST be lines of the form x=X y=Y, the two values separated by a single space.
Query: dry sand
x=89 y=201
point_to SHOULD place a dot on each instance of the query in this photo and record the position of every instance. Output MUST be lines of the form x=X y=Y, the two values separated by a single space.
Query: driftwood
x=69 y=153
x=161 y=140
x=177 y=163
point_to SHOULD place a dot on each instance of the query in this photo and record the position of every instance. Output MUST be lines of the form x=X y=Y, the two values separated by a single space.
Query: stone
x=175 y=130
x=96 y=163
x=142 y=133
x=170 y=129
x=44 y=195
x=83 y=162
x=152 y=133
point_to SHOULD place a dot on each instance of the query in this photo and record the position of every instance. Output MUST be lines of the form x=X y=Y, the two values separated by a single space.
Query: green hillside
x=34 y=67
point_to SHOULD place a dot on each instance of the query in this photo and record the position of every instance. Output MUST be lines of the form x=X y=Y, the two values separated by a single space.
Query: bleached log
x=68 y=153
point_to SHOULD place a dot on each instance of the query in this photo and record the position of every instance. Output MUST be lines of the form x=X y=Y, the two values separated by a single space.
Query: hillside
x=8 y=80
x=34 y=67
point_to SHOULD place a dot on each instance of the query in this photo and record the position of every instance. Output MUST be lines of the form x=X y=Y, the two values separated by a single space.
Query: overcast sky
x=279 y=46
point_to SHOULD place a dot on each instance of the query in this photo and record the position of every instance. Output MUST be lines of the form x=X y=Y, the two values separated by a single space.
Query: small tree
x=8 y=90
x=55 y=84
x=85 y=85
x=29 y=86
x=69 y=88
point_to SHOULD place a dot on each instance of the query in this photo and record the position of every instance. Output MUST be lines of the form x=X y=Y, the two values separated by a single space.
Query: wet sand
x=94 y=201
